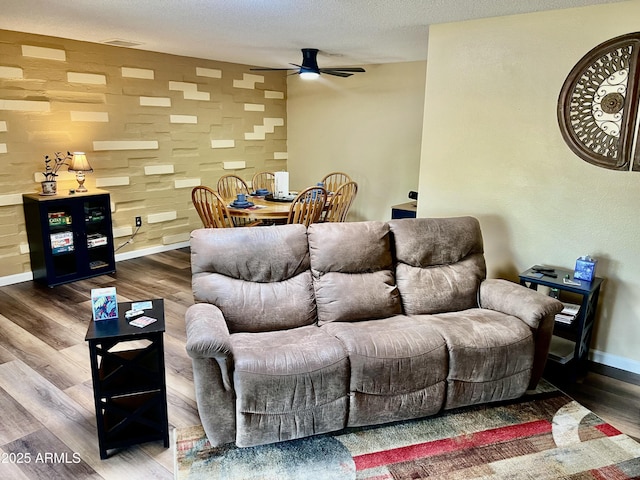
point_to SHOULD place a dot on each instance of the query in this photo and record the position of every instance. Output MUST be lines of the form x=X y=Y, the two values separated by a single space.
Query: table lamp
x=80 y=164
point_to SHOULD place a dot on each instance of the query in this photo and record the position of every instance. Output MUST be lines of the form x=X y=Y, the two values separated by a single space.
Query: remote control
x=133 y=313
x=540 y=268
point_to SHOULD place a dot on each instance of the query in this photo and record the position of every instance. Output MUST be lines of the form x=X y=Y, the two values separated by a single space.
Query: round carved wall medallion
x=598 y=104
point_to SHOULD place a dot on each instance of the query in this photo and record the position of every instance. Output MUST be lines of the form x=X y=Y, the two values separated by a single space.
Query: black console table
x=129 y=385
x=579 y=332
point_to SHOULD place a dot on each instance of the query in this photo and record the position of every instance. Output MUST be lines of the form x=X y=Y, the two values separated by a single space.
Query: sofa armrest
x=208 y=337
x=514 y=299
x=533 y=308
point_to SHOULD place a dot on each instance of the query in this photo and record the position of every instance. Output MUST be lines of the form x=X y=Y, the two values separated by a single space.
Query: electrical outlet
x=138 y=221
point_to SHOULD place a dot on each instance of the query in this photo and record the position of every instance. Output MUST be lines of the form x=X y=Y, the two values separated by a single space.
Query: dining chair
x=264 y=180
x=231 y=185
x=211 y=208
x=340 y=203
x=332 y=181
x=308 y=206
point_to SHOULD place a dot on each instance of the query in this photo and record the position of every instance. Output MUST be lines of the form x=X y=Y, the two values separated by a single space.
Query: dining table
x=265 y=208
x=262 y=209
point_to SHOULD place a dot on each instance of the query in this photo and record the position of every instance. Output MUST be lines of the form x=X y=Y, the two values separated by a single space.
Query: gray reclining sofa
x=297 y=331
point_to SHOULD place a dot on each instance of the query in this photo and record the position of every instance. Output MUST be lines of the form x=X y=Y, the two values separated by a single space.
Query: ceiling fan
x=310 y=69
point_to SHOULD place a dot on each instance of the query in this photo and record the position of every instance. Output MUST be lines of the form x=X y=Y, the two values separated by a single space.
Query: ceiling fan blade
x=270 y=69
x=335 y=73
x=347 y=69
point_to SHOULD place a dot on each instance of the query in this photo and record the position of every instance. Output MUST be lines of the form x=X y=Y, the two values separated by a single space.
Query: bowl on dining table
x=245 y=204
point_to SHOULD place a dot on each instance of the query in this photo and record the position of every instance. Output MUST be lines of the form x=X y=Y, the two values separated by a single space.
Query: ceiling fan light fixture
x=308 y=74
x=309 y=68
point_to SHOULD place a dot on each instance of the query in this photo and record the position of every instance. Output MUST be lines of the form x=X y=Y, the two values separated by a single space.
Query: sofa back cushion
x=259 y=277
x=439 y=263
x=352 y=271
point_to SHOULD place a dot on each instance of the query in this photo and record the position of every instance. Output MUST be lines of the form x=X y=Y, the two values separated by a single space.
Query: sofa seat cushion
x=289 y=384
x=398 y=368
x=490 y=355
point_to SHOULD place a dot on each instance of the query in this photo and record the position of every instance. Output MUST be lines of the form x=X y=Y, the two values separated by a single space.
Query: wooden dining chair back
x=231 y=185
x=308 y=206
x=332 y=181
x=263 y=180
x=341 y=202
x=211 y=208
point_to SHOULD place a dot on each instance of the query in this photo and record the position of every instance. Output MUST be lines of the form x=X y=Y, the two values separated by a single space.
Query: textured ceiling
x=264 y=32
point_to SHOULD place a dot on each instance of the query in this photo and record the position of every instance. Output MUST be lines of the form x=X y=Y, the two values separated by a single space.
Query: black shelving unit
x=70 y=236
x=129 y=386
x=576 y=335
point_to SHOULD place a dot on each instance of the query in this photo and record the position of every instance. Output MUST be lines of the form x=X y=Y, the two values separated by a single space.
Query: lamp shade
x=79 y=163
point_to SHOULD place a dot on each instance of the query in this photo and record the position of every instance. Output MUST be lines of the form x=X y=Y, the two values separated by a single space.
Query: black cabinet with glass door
x=70 y=236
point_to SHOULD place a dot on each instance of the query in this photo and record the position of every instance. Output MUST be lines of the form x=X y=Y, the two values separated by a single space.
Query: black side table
x=581 y=329
x=129 y=385
x=404 y=210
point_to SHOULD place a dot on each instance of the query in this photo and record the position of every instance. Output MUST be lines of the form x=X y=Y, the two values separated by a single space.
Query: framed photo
x=104 y=303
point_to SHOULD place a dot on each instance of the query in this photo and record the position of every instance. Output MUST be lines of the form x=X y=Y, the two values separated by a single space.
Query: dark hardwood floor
x=48 y=426
x=47 y=422
x=613 y=395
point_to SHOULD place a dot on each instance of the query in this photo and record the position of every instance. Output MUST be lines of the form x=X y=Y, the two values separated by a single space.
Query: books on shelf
x=59 y=218
x=98 y=264
x=96 y=240
x=561 y=350
x=93 y=215
x=61 y=242
x=568 y=314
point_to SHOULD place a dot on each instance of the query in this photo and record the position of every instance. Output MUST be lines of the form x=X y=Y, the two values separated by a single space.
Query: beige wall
x=368 y=125
x=490 y=145
x=492 y=148
x=185 y=122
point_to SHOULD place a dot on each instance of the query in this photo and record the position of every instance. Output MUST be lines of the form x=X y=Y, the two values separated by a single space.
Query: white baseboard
x=17 y=278
x=143 y=252
x=615 y=361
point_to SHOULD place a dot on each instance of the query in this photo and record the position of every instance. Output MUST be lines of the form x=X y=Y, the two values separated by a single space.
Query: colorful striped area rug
x=543 y=435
